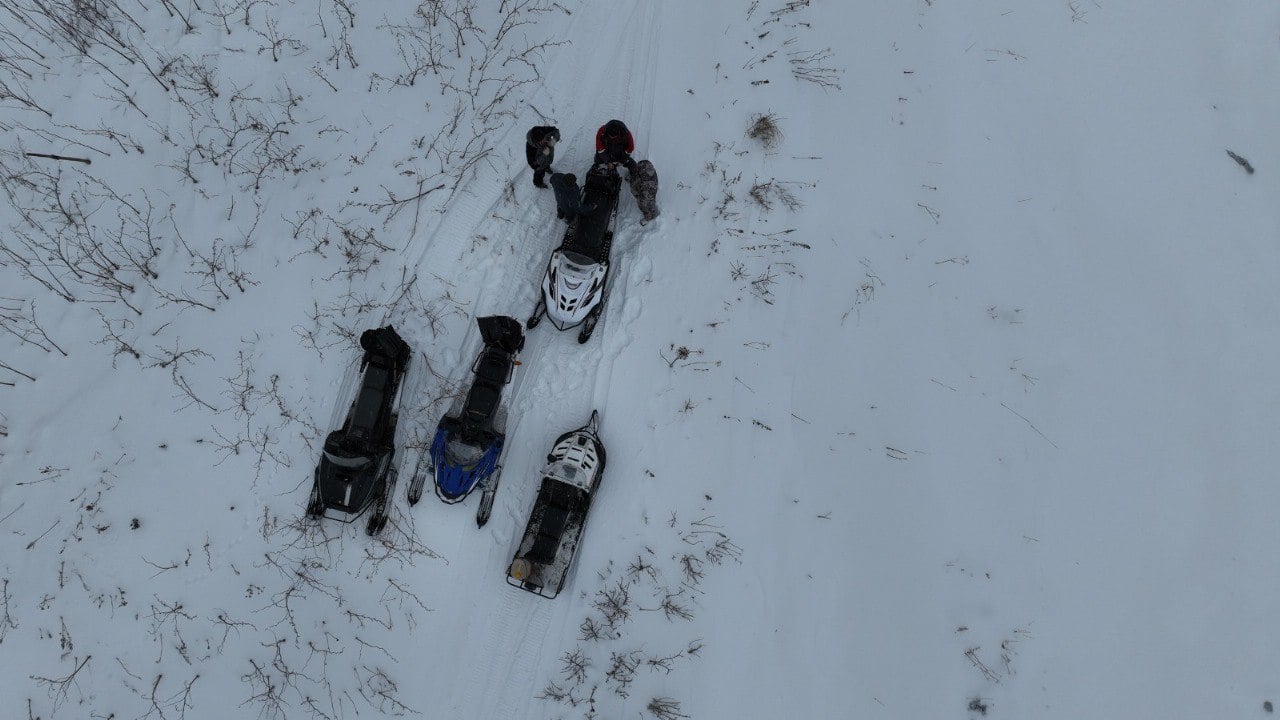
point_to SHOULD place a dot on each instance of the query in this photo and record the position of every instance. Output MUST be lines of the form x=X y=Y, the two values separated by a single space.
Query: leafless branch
x=58 y=688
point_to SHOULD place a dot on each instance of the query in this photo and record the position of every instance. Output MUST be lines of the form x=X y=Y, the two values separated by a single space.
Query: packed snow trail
x=557 y=385
x=500 y=661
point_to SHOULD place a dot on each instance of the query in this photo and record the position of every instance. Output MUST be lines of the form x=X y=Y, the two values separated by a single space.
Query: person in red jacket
x=614 y=144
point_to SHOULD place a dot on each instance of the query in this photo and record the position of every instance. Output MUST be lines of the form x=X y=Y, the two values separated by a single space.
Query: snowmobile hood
x=572 y=287
x=578 y=457
x=461 y=466
x=346 y=484
x=569 y=474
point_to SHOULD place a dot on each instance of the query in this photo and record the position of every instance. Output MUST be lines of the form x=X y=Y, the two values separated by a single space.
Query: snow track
x=500 y=658
x=503 y=660
x=488 y=250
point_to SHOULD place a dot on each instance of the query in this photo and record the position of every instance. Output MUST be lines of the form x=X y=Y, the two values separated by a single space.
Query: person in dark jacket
x=540 y=150
x=614 y=144
x=568 y=197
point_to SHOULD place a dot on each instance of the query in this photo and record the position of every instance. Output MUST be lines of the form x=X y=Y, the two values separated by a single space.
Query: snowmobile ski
x=538 y=311
x=488 y=490
x=420 y=472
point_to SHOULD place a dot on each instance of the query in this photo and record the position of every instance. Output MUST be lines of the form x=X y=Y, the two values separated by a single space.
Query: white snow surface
x=957 y=400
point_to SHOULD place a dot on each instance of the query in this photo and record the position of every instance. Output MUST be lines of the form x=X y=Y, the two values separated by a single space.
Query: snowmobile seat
x=547 y=542
x=601 y=182
x=370 y=402
x=493 y=367
x=493 y=370
x=589 y=235
x=342 y=445
x=481 y=403
x=559 y=502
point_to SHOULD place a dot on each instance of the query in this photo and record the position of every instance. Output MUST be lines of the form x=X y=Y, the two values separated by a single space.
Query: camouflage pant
x=644 y=186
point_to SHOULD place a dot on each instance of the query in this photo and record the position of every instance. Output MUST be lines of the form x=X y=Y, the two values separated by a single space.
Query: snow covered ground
x=952 y=397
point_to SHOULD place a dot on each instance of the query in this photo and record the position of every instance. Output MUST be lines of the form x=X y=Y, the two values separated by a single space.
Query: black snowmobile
x=356 y=468
x=570 y=479
x=577 y=276
x=467 y=448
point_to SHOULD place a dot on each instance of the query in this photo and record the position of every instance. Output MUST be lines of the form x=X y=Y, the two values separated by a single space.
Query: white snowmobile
x=574 y=286
x=569 y=481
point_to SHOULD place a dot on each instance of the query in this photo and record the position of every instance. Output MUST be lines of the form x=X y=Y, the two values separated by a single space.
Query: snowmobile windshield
x=460 y=454
x=342 y=461
x=563 y=473
x=577 y=262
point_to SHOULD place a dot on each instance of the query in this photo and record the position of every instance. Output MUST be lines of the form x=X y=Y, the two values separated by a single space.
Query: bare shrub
x=764 y=129
x=614 y=603
x=691 y=567
x=723 y=550
x=18 y=318
x=556 y=693
x=591 y=630
x=664 y=708
x=622 y=671
x=766 y=194
x=574 y=665
x=813 y=66
x=673 y=606
x=193 y=80
x=1241 y=161
x=7 y=622
x=277 y=42
x=790 y=7
x=59 y=688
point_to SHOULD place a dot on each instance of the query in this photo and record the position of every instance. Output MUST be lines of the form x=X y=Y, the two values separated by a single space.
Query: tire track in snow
x=489 y=665
x=578 y=108
x=639 y=105
x=505 y=282
x=501 y=282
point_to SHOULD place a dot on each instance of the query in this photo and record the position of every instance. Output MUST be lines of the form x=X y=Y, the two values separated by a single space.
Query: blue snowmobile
x=467 y=448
